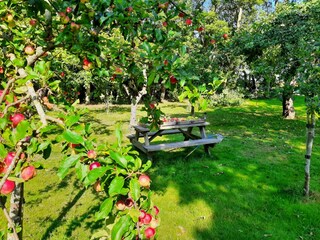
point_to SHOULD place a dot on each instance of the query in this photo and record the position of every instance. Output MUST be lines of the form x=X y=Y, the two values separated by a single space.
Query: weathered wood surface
x=190 y=143
x=150 y=134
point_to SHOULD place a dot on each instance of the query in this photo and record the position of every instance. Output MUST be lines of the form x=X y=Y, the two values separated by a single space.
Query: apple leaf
x=158 y=35
x=94 y=174
x=3 y=123
x=146 y=166
x=70 y=120
x=3 y=151
x=134 y=189
x=115 y=186
x=121 y=227
x=66 y=164
x=72 y=137
x=105 y=209
x=119 y=159
x=21 y=131
x=81 y=170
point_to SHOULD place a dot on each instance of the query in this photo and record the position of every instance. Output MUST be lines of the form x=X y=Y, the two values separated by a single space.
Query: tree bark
x=288 y=111
x=309 y=144
x=239 y=19
x=87 y=97
x=16 y=210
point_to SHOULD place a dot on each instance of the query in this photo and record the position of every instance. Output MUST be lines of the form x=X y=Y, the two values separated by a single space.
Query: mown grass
x=251 y=187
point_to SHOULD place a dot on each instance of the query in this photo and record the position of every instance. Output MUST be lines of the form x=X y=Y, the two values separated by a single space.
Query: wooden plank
x=139 y=145
x=141 y=129
x=189 y=143
x=164 y=127
x=164 y=132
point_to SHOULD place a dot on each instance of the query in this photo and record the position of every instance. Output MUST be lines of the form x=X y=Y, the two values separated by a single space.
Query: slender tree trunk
x=87 y=97
x=239 y=19
x=309 y=143
x=16 y=210
x=288 y=111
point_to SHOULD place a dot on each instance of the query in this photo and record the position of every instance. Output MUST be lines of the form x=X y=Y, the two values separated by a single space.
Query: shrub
x=228 y=97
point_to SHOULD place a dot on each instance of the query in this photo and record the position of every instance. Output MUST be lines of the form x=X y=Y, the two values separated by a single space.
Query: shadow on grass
x=253 y=182
x=59 y=220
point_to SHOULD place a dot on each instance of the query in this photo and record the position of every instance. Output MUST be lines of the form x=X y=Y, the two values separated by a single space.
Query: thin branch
x=14 y=103
x=56 y=120
x=11 y=224
x=6 y=89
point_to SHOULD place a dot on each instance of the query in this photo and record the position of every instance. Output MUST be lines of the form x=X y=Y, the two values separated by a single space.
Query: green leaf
x=146 y=166
x=134 y=189
x=70 y=120
x=3 y=151
x=43 y=146
x=121 y=227
x=18 y=62
x=81 y=170
x=3 y=123
x=94 y=174
x=115 y=186
x=21 y=131
x=105 y=209
x=146 y=46
x=158 y=34
x=72 y=137
x=119 y=159
x=66 y=164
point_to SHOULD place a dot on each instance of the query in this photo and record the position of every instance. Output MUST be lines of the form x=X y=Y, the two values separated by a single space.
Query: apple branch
x=36 y=102
x=14 y=103
x=6 y=90
x=11 y=224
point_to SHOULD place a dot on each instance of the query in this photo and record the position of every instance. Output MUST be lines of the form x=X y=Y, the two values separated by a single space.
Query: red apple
x=144 y=180
x=149 y=232
x=1 y=70
x=97 y=186
x=29 y=50
x=92 y=154
x=181 y=14
x=166 y=62
x=88 y=66
x=62 y=74
x=33 y=22
x=8 y=187
x=173 y=80
x=152 y=105
x=147 y=219
x=86 y=62
x=16 y=119
x=165 y=24
x=225 y=36
x=28 y=172
x=69 y=9
x=74 y=27
x=188 y=21
x=94 y=165
x=118 y=70
x=9 y=17
x=156 y=210
x=9 y=158
x=129 y=9
x=129 y=202
x=200 y=29
x=212 y=41
x=120 y=205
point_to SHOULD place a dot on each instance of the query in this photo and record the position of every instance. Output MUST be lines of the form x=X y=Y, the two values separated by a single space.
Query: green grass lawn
x=249 y=188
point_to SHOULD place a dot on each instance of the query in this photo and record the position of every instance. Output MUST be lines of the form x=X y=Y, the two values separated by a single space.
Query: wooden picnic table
x=185 y=128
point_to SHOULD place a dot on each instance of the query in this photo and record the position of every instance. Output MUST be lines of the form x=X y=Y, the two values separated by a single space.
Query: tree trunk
x=309 y=143
x=288 y=111
x=87 y=98
x=239 y=19
x=163 y=93
x=16 y=210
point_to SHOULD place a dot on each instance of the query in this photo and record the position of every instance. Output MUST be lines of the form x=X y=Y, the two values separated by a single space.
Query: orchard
x=57 y=54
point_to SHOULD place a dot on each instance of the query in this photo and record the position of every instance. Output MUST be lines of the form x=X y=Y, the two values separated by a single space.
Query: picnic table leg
x=207 y=150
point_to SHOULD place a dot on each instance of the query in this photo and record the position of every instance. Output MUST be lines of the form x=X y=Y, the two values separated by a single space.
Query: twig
x=14 y=103
x=6 y=214
x=56 y=120
x=6 y=90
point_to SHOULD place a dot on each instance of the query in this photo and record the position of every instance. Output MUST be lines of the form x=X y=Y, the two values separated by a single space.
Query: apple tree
x=33 y=35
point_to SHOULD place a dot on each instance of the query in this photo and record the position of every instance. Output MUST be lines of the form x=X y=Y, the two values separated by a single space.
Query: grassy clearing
x=250 y=188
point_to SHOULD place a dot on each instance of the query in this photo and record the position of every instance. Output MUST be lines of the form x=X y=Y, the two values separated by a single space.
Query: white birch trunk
x=309 y=144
